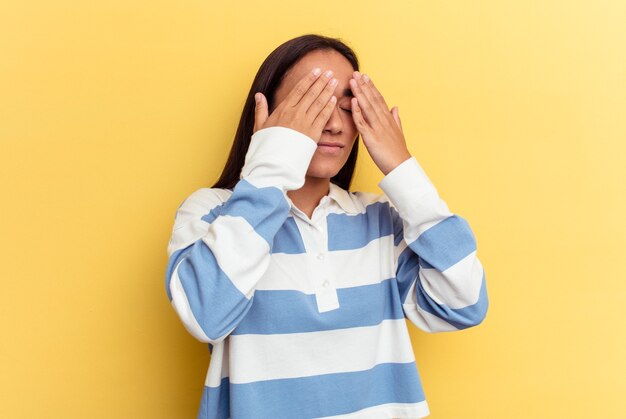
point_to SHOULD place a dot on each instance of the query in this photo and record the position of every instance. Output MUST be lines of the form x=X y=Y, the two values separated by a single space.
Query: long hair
x=267 y=81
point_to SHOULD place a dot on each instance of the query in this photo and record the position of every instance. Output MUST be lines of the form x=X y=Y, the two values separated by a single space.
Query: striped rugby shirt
x=305 y=318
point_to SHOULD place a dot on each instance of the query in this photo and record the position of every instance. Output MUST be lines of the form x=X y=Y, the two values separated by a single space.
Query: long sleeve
x=220 y=245
x=440 y=279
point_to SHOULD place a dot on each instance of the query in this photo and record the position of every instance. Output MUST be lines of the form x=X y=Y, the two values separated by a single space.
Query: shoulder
x=368 y=198
x=363 y=200
x=188 y=221
x=360 y=202
x=201 y=202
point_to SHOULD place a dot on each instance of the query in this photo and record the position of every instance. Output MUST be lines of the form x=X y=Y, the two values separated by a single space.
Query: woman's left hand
x=380 y=128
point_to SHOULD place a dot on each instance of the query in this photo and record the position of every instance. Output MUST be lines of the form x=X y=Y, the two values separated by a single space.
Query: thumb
x=396 y=116
x=260 y=111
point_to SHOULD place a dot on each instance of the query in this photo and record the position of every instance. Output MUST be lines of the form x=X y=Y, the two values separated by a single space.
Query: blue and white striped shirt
x=305 y=318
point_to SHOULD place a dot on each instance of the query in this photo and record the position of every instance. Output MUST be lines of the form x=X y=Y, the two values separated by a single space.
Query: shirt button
x=325 y=284
x=320 y=256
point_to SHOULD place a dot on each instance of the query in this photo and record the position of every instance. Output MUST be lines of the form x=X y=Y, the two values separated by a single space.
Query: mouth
x=329 y=148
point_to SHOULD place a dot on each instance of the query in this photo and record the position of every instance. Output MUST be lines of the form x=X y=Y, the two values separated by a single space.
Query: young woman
x=301 y=287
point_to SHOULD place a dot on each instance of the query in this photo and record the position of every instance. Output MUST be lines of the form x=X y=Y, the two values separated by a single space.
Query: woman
x=301 y=287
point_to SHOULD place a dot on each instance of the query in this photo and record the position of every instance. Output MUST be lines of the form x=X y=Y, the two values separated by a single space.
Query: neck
x=308 y=197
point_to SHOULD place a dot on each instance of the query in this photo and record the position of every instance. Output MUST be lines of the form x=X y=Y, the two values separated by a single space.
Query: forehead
x=325 y=60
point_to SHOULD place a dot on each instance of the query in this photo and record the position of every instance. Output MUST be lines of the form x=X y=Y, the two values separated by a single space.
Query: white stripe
x=414 y=228
x=368 y=265
x=426 y=321
x=423 y=214
x=422 y=319
x=218 y=368
x=187 y=234
x=389 y=410
x=240 y=252
x=188 y=226
x=268 y=357
x=454 y=287
x=181 y=305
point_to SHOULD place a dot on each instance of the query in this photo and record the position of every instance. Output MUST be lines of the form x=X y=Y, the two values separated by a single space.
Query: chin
x=326 y=168
x=323 y=173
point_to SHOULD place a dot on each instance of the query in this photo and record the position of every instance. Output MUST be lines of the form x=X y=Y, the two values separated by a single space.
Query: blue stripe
x=347 y=232
x=265 y=209
x=425 y=265
x=445 y=243
x=461 y=318
x=406 y=271
x=287 y=311
x=215 y=401
x=398 y=227
x=215 y=302
x=317 y=396
x=288 y=239
x=171 y=264
x=408 y=259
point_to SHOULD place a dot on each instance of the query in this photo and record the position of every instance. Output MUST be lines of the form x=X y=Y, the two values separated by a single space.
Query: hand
x=380 y=128
x=307 y=107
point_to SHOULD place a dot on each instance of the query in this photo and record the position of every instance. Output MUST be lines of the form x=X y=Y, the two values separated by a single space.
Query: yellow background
x=113 y=112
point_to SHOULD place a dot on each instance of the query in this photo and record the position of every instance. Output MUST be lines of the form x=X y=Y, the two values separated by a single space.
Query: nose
x=334 y=125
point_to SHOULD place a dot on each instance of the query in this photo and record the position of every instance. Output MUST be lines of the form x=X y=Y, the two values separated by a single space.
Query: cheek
x=349 y=119
x=349 y=127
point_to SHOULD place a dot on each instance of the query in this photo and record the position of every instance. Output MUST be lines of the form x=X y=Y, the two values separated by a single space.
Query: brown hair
x=267 y=81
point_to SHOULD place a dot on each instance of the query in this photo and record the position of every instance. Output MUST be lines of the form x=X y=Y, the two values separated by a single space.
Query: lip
x=329 y=144
x=329 y=148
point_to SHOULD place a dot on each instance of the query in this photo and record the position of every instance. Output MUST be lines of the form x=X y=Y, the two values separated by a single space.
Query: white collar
x=343 y=198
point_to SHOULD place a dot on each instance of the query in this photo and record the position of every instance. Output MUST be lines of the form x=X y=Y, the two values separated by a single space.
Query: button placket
x=326 y=293
x=319 y=271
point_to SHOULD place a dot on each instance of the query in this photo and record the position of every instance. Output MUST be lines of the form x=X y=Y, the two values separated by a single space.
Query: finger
x=377 y=106
x=260 y=111
x=317 y=96
x=396 y=116
x=299 y=90
x=367 y=111
x=322 y=117
x=322 y=99
x=357 y=116
x=369 y=85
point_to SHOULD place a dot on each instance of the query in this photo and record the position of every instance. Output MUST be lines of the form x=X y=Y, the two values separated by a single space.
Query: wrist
x=278 y=156
x=397 y=161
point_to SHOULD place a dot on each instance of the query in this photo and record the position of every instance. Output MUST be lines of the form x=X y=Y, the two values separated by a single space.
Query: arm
x=219 y=250
x=440 y=279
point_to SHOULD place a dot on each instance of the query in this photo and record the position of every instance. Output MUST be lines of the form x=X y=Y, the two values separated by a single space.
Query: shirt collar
x=343 y=199
x=336 y=193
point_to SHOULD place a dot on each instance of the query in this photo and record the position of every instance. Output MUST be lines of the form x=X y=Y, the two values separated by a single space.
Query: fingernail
x=256 y=97
x=357 y=75
x=317 y=71
x=365 y=77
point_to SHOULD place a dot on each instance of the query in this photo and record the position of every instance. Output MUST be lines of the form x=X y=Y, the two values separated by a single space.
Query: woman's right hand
x=306 y=108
